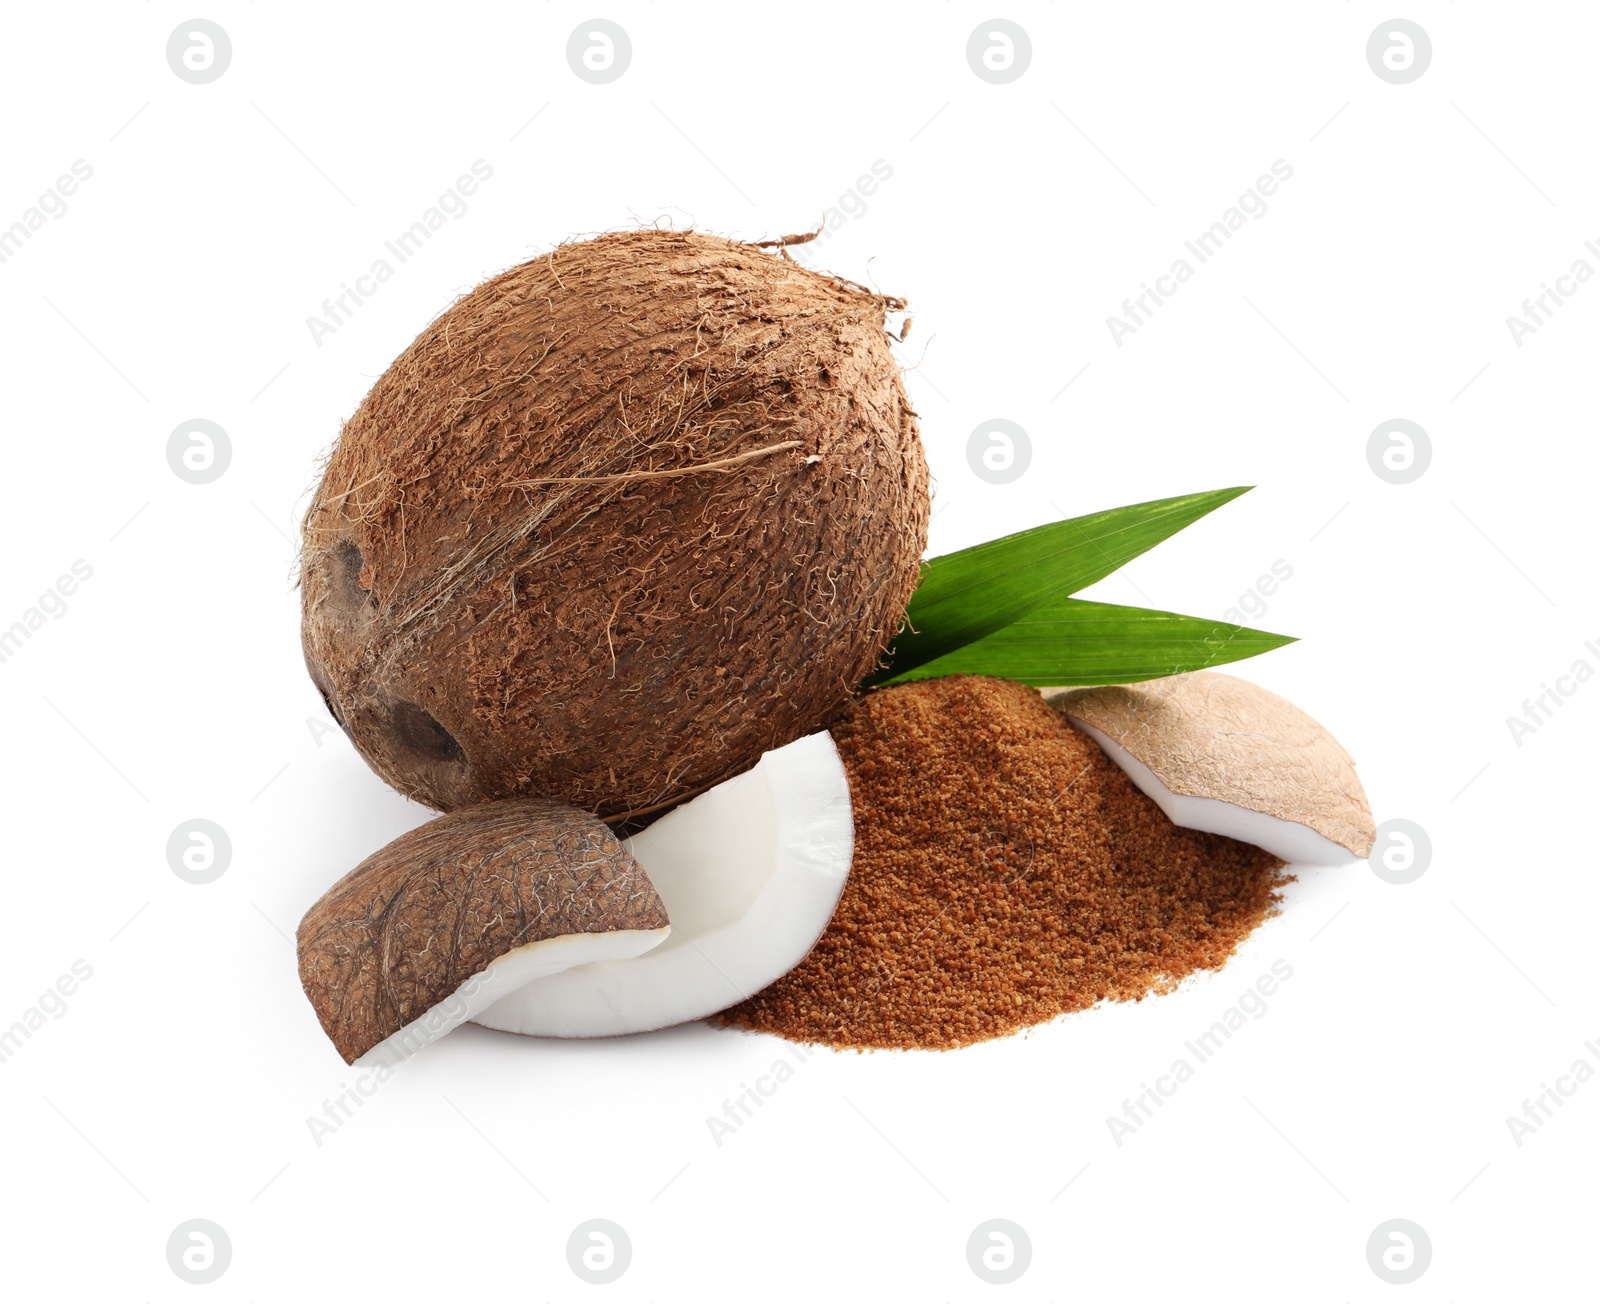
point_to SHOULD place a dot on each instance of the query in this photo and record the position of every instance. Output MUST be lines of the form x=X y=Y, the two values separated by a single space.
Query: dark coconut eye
x=350 y=563
x=424 y=735
x=347 y=563
x=332 y=709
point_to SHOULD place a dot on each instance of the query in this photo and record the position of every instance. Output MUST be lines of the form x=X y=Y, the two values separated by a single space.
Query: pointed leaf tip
x=969 y=595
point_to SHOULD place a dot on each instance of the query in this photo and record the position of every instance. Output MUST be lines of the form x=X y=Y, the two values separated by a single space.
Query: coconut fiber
x=620 y=520
x=1006 y=872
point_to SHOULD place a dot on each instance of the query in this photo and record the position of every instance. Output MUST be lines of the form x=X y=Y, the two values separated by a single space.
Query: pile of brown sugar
x=1005 y=872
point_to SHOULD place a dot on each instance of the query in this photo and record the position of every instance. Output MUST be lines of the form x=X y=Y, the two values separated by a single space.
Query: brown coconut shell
x=620 y=520
x=414 y=921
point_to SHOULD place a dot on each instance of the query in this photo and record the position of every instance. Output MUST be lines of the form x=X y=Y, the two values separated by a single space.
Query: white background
x=179 y=1080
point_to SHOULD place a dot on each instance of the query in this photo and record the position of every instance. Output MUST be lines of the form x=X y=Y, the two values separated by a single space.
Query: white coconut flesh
x=1222 y=755
x=506 y=974
x=749 y=871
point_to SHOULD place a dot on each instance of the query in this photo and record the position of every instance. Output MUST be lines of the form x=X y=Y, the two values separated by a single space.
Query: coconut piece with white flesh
x=750 y=872
x=448 y=918
x=1222 y=755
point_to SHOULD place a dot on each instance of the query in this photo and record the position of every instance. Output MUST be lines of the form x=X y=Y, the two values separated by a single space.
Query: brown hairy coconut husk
x=619 y=521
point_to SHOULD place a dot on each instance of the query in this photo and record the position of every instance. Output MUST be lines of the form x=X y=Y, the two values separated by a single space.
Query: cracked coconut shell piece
x=449 y=917
x=1222 y=755
x=619 y=521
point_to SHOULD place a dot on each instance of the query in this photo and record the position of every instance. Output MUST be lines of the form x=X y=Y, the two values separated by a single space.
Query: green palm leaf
x=1069 y=642
x=966 y=596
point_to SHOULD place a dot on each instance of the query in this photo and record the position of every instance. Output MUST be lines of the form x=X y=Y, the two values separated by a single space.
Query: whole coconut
x=620 y=520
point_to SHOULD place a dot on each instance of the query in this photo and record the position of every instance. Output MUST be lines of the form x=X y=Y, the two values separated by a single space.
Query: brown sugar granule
x=1005 y=872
